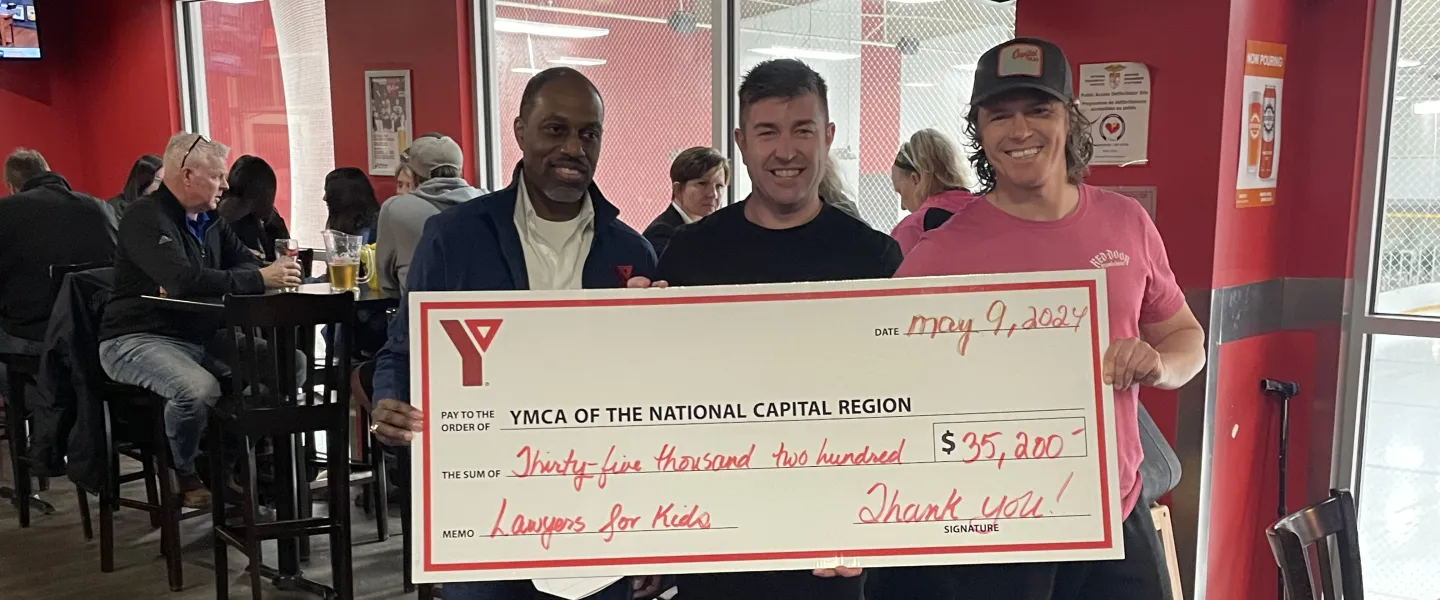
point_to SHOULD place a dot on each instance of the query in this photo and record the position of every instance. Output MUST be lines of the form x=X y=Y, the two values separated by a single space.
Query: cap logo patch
x=1021 y=60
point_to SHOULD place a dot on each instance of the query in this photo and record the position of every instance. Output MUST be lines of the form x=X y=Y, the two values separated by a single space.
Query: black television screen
x=19 y=30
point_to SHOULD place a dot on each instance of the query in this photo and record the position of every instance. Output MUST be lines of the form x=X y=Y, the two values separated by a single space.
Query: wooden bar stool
x=267 y=401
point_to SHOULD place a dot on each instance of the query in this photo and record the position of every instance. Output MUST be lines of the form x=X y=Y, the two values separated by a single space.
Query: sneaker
x=193 y=493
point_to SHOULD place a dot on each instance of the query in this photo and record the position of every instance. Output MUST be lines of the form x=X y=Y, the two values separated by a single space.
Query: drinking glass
x=288 y=250
x=343 y=253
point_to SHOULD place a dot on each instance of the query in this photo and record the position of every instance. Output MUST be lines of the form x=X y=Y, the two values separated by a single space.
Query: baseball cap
x=428 y=154
x=1021 y=64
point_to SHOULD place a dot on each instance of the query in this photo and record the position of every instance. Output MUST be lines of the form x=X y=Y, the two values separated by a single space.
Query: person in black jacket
x=249 y=207
x=42 y=223
x=698 y=177
x=172 y=244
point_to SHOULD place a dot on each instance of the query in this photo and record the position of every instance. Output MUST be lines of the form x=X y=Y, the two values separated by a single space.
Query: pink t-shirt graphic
x=1106 y=230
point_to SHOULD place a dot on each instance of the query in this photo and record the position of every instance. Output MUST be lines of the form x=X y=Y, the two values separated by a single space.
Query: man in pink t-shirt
x=1032 y=213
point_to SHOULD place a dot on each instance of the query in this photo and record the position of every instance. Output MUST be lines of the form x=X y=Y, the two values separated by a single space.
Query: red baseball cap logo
x=472 y=340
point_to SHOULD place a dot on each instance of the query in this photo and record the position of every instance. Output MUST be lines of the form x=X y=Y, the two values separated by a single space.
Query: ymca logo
x=472 y=340
x=1110 y=258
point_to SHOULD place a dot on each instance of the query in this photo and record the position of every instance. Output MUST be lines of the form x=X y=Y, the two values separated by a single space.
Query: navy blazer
x=476 y=247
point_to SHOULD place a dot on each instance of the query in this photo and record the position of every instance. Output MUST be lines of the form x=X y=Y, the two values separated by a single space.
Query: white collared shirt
x=684 y=216
x=555 y=251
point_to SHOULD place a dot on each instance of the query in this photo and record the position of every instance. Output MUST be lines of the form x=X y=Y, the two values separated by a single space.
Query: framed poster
x=389 y=118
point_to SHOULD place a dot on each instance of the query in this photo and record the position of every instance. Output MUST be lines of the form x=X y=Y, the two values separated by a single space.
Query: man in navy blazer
x=550 y=230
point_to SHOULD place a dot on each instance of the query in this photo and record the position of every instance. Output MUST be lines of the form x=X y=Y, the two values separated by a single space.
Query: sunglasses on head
x=198 y=139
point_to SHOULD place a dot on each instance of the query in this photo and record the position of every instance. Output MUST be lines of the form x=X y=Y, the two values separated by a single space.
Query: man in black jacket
x=42 y=223
x=173 y=244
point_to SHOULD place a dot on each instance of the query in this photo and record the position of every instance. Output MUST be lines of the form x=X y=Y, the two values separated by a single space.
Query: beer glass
x=343 y=253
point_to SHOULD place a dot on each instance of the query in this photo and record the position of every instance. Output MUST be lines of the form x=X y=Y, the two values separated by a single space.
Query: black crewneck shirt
x=725 y=248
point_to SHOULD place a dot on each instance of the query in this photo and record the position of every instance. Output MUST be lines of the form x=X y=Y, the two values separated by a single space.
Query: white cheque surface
x=773 y=427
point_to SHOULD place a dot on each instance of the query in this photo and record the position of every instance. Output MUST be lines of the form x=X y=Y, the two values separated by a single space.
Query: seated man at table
x=550 y=230
x=43 y=223
x=172 y=244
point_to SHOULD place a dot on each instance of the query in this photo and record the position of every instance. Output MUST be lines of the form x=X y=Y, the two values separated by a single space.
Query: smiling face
x=1023 y=137
x=560 y=139
x=784 y=142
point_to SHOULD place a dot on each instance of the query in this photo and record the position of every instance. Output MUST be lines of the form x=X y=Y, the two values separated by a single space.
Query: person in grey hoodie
x=438 y=186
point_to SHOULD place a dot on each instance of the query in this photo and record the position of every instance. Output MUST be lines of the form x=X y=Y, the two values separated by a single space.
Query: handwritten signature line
x=972 y=520
x=512 y=475
x=801 y=420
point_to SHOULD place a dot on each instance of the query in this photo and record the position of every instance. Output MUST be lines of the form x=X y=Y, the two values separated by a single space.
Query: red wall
x=37 y=105
x=101 y=96
x=430 y=40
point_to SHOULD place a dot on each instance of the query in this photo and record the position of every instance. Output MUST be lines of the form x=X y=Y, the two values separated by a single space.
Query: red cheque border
x=1107 y=542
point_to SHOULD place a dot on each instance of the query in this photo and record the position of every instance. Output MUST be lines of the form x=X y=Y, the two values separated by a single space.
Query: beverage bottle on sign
x=1267 y=134
x=1253 y=125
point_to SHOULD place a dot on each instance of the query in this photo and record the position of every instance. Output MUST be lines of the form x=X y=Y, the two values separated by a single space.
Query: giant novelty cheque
x=592 y=434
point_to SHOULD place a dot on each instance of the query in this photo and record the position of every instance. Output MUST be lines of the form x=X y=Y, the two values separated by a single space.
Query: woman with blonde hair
x=927 y=175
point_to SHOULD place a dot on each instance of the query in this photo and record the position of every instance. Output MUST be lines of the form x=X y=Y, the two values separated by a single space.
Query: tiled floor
x=52 y=560
x=1399 y=495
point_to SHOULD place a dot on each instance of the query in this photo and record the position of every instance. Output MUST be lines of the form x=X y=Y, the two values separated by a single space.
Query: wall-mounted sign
x=1260 y=127
x=388 y=115
x=1115 y=98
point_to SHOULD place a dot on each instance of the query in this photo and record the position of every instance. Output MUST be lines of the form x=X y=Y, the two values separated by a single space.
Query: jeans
x=1139 y=576
x=10 y=344
x=185 y=373
x=523 y=590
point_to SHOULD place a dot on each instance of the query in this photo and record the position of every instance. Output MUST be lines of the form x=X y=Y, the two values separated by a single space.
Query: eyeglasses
x=198 y=139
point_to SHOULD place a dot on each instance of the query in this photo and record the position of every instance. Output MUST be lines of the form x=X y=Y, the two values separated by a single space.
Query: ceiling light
x=576 y=61
x=1406 y=63
x=809 y=53
x=918 y=84
x=525 y=70
x=970 y=68
x=1428 y=107
x=548 y=29
x=1401 y=98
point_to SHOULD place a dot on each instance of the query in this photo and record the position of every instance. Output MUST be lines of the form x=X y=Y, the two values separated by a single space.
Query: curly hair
x=1079 y=148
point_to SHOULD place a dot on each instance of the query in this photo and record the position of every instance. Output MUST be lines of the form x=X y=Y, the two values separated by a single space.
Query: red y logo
x=472 y=351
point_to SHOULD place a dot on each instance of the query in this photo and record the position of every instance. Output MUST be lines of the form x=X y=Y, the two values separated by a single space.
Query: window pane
x=892 y=69
x=1399 y=492
x=1408 y=273
x=652 y=64
x=266 y=83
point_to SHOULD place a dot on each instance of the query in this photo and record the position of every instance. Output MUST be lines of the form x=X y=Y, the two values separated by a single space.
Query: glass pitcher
x=344 y=257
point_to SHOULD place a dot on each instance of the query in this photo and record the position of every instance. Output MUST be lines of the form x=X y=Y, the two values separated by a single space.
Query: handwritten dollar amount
x=1041 y=439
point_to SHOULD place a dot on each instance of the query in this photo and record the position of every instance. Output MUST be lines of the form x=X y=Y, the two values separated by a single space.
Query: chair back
x=58 y=273
x=1329 y=527
x=273 y=337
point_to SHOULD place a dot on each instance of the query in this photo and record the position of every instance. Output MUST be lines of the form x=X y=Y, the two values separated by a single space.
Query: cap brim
x=1018 y=84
